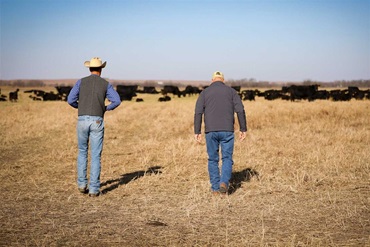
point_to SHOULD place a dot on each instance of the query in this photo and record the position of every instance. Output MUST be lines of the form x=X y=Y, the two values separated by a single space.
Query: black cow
x=301 y=92
x=51 y=97
x=38 y=93
x=164 y=98
x=367 y=94
x=191 y=90
x=236 y=88
x=272 y=94
x=356 y=93
x=150 y=90
x=322 y=94
x=13 y=96
x=248 y=95
x=171 y=89
x=64 y=91
x=35 y=98
x=2 y=96
x=127 y=92
x=340 y=95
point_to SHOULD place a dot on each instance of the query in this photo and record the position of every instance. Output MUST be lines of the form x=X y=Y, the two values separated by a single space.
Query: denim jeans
x=89 y=129
x=214 y=140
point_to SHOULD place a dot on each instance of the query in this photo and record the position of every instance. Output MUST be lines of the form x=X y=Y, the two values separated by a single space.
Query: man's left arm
x=113 y=97
x=240 y=112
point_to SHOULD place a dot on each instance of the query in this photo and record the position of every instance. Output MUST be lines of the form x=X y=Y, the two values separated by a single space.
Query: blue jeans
x=214 y=140
x=89 y=129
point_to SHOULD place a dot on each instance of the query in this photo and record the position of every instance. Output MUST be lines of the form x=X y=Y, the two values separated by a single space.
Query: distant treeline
x=244 y=83
x=22 y=83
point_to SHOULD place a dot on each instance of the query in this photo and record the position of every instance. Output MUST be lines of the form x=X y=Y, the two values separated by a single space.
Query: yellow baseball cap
x=218 y=74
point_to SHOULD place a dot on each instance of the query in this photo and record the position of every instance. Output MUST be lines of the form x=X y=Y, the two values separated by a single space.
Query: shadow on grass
x=128 y=177
x=237 y=178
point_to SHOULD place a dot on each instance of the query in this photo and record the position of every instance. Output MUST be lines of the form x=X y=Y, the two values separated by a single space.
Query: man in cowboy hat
x=218 y=103
x=88 y=96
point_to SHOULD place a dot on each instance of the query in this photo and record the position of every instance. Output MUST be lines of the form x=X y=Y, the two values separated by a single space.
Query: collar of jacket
x=217 y=82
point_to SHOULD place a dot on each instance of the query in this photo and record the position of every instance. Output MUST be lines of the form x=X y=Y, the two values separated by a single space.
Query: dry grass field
x=301 y=177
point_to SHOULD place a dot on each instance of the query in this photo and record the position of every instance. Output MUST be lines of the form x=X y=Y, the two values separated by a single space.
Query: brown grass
x=301 y=178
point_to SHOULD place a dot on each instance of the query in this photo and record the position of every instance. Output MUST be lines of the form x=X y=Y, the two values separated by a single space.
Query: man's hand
x=242 y=135
x=198 y=138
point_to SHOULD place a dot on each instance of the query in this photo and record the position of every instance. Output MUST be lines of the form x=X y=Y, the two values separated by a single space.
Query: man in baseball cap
x=218 y=103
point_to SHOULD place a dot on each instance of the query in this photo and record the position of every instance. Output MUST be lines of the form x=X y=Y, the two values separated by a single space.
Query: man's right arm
x=199 y=109
x=73 y=95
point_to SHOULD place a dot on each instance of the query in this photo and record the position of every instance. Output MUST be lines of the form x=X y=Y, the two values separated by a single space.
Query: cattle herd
x=128 y=92
x=310 y=93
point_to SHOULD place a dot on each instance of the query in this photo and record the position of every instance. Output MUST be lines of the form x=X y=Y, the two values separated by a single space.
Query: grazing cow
x=273 y=94
x=34 y=98
x=340 y=95
x=171 y=89
x=301 y=92
x=2 y=96
x=322 y=94
x=13 y=96
x=150 y=90
x=356 y=93
x=64 y=91
x=360 y=95
x=190 y=90
x=51 y=97
x=164 y=99
x=367 y=94
x=38 y=93
x=127 y=92
x=248 y=95
x=236 y=88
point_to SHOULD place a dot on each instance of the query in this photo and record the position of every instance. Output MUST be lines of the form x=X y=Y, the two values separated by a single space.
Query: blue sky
x=275 y=40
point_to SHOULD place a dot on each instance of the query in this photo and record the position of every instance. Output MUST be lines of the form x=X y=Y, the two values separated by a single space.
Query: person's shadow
x=128 y=177
x=237 y=178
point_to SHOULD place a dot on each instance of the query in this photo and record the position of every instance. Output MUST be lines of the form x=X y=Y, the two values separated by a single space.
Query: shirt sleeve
x=199 y=110
x=113 y=97
x=73 y=95
x=240 y=112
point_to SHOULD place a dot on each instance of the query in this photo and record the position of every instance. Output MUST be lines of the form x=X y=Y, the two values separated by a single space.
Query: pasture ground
x=301 y=177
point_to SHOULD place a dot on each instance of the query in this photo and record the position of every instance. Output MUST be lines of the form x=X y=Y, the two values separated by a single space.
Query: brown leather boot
x=223 y=188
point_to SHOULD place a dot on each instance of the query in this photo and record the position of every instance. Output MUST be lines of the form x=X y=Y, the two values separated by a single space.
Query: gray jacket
x=218 y=103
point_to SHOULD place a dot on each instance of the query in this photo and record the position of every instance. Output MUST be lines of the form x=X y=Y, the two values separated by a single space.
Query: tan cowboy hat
x=95 y=62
